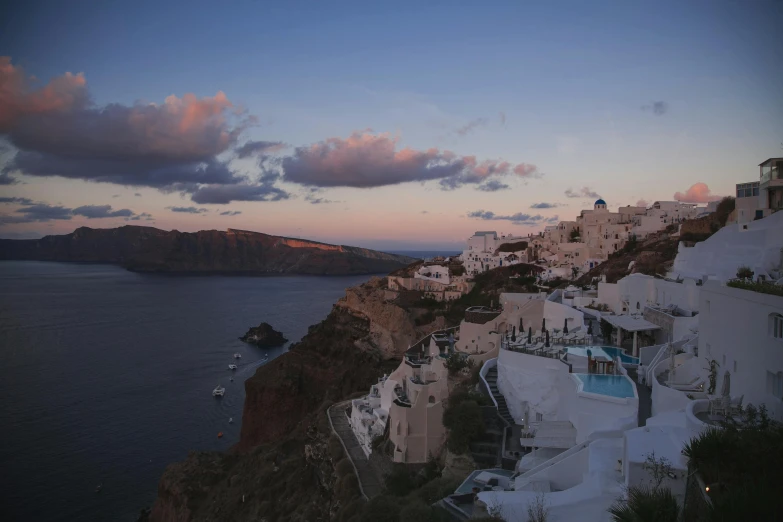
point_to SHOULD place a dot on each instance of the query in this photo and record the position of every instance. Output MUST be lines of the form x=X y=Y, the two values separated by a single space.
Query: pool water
x=611 y=385
x=608 y=352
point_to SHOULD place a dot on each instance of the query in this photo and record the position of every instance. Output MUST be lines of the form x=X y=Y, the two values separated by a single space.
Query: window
x=776 y=325
x=539 y=417
x=775 y=384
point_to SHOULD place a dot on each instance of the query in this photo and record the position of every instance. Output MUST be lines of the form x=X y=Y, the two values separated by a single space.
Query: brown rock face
x=283 y=461
x=147 y=249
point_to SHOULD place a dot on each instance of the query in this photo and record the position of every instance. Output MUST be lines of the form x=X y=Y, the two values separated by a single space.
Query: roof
x=551 y=434
x=629 y=323
x=770 y=159
x=600 y=202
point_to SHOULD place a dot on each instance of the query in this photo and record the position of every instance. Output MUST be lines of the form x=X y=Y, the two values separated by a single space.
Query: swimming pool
x=618 y=386
x=608 y=352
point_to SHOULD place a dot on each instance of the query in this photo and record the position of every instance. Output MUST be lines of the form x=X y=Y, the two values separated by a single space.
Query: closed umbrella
x=543 y=324
x=529 y=335
x=547 y=339
x=521 y=326
x=565 y=327
x=513 y=334
x=726 y=388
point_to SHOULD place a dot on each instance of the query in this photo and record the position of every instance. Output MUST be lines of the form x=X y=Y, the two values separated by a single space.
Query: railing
x=489 y=364
x=345 y=448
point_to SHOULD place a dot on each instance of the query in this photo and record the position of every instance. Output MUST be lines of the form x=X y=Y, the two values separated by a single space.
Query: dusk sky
x=394 y=125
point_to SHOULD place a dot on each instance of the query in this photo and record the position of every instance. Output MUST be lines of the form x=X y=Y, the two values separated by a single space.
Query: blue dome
x=600 y=202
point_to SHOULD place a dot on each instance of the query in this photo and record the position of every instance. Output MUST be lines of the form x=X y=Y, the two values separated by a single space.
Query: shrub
x=416 y=513
x=646 y=505
x=764 y=288
x=456 y=362
x=400 y=481
x=744 y=272
x=343 y=468
x=381 y=509
x=435 y=490
x=464 y=421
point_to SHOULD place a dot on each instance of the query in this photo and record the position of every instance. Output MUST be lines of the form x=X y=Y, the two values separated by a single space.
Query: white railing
x=489 y=364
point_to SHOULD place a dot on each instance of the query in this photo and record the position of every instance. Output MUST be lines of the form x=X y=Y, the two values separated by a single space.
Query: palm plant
x=644 y=504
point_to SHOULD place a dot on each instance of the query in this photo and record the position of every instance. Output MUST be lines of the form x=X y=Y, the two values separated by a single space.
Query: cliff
x=147 y=249
x=283 y=467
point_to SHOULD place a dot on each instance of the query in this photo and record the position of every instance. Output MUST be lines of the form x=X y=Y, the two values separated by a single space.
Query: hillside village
x=581 y=365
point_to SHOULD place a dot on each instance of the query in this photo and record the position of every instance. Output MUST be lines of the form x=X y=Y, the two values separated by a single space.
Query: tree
x=643 y=504
x=574 y=236
x=537 y=511
x=574 y=272
x=744 y=272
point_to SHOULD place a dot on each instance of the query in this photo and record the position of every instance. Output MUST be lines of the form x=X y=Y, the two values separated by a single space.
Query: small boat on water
x=220 y=434
x=232 y=366
x=219 y=391
x=99 y=488
x=231 y=420
x=231 y=379
x=237 y=356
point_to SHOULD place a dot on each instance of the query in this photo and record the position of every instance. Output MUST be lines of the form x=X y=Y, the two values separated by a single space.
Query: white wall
x=734 y=330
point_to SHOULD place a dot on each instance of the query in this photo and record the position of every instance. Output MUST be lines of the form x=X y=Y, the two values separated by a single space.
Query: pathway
x=645 y=398
x=368 y=481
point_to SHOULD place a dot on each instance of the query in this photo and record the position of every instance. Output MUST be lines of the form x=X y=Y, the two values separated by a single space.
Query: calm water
x=106 y=376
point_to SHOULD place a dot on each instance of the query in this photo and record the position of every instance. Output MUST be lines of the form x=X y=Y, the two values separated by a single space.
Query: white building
x=743 y=331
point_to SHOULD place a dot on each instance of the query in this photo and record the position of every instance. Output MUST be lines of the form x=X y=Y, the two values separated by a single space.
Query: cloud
x=252 y=148
x=38 y=212
x=517 y=219
x=366 y=160
x=20 y=201
x=471 y=126
x=58 y=131
x=145 y=216
x=642 y=203
x=116 y=196
x=659 y=108
x=188 y=210
x=101 y=211
x=584 y=192
x=502 y=118
x=225 y=194
x=697 y=193
x=6 y=179
x=137 y=195
x=545 y=205
x=493 y=185
x=425 y=211
x=231 y=213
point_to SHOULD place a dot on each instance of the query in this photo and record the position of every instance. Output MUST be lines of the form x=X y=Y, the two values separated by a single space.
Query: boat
x=232 y=366
x=237 y=356
x=99 y=488
x=220 y=434
x=231 y=379
x=218 y=392
x=231 y=420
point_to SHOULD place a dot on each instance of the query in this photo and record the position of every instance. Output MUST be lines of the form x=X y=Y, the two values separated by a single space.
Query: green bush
x=764 y=288
x=343 y=468
x=417 y=513
x=400 y=481
x=435 y=490
x=381 y=509
x=462 y=417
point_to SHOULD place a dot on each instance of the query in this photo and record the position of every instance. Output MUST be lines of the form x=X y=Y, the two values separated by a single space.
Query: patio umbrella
x=565 y=326
x=529 y=335
x=514 y=334
x=725 y=390
x=521 y=326
x=543 y=324
x=547 y=339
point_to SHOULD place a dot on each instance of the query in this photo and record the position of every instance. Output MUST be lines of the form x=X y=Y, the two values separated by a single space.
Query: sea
x=106 y=376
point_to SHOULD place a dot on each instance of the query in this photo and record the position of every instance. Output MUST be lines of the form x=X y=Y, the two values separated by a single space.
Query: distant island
x=148 y=249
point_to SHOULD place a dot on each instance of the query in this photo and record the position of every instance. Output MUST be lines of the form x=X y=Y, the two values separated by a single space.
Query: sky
x=395 y=126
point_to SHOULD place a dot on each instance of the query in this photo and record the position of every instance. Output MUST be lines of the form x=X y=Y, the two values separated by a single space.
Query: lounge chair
x=719 y=406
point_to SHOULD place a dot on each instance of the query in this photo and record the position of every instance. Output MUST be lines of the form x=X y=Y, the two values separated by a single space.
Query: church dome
x=600 y=202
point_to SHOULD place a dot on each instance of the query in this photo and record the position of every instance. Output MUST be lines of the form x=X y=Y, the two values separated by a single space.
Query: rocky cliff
x=283 y=468
x=147 y=249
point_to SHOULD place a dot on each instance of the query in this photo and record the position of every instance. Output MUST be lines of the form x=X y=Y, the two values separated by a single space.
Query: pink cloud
x=642 y=203
x=367 y=160
x=697 y=193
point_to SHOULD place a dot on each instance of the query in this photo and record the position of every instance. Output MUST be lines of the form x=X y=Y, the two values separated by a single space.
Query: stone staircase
x=492 y=381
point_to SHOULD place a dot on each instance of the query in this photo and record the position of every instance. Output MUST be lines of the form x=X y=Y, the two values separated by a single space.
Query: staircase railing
x=488 y=365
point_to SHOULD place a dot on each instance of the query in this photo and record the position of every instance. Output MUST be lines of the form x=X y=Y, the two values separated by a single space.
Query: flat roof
x=768 y=160
x=630 y=324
